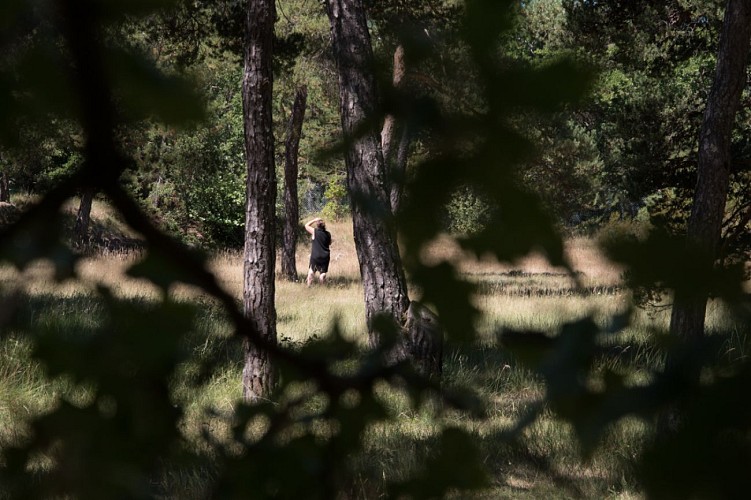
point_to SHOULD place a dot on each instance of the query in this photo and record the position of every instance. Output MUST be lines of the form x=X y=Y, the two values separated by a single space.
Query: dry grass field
x=528 y=294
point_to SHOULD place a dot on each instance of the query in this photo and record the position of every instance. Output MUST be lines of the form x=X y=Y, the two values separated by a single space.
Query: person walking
x=320 y=253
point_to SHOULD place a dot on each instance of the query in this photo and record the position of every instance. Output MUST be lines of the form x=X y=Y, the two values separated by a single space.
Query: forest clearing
x=544 y=461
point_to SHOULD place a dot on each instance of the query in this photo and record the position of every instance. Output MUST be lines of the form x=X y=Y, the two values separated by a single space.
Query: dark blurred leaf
x=38 y=236
x=565 y=362
x=420 y=220
x=485 y=21
x=136 y=339
x=456 y=464
x=520 y=227
x=465 y=399
x=354 y=419
x=146 y=92
x=665 y=260
x=531 y=89
x=531 y=348
x=161 y=270
x=451 y=296
x=114 y=9
x=332 y=347
x=128 y=424
x=710 y=454
x=43 y=83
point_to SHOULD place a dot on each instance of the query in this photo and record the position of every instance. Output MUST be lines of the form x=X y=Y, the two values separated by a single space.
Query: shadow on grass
x=392 y=450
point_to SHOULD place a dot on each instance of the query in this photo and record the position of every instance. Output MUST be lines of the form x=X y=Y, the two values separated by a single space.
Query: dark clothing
x=320 y=253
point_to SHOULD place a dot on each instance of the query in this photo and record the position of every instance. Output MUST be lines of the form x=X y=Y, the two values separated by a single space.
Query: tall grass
x=528 y=295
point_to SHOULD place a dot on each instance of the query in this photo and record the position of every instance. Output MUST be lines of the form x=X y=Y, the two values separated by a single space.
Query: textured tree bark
x=83 y=218
x=259 y=253
x=705 y=223
x=395 y=139
x=291 y=204
x=425 y=344
x=381 y=269
x=384 y=281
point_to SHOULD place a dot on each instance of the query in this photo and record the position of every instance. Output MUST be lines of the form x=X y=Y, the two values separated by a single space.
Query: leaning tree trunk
x=291 y=204
x=705 y=223
x=259 y=254
x=384 y=282
x=83 y=218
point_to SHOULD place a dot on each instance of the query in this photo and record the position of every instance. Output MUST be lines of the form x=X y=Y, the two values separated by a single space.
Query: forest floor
x=545 y=463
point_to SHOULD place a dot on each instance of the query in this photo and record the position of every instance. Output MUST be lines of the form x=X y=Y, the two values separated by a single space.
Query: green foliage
x=467 y=212
x=190 y=177
x=656 y=61
x=193 y=179
x=336 y=198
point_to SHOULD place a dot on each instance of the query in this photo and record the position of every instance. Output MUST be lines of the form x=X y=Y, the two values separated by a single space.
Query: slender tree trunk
x=259 y=254
x=705 y=223
x=4 y=188
x=291 y=203
x=384 y=281
x=83 y=218
x=395 y=139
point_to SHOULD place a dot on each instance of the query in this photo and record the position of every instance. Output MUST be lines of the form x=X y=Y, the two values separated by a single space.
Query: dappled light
x=511 y=303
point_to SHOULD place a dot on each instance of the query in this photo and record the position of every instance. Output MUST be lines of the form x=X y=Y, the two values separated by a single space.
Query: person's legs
x=323 y=269
x=309 y=279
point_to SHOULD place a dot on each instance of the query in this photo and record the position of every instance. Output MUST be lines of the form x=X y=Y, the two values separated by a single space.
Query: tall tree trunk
x=705 y=223
x=259 y=254
x=395 y=139
x=384 y=281
x=291 y=203
x=83 y=218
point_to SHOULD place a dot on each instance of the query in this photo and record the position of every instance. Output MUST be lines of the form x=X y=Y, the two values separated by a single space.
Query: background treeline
x=627 y=152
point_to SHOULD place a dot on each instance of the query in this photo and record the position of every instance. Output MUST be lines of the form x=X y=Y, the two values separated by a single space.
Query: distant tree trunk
x=705 y=223
x=259 y=254
x=83 y=218
x=395 y=139
x=384 y=281
x=4 y=188
x=157 y=198
x=291 y=203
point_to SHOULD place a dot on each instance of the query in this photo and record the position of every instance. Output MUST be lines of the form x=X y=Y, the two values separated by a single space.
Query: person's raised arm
x=309 y=225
